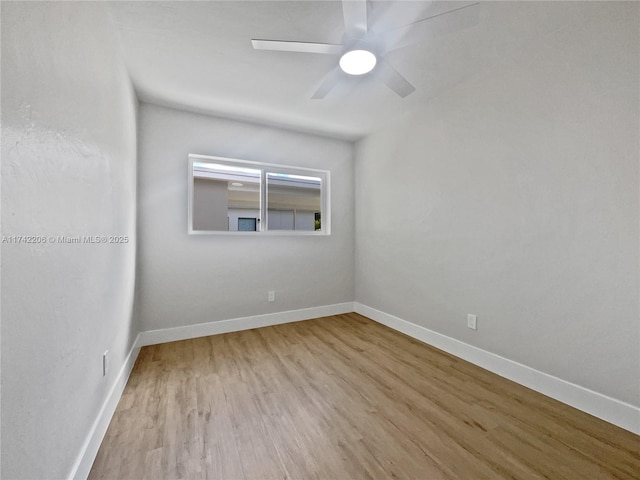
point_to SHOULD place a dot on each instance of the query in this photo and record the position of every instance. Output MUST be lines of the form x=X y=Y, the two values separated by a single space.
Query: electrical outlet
x=105 y=363
x=271 y=296
x=472 y=321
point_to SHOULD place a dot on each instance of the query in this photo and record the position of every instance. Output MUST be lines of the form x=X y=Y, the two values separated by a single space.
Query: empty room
x=320 y=239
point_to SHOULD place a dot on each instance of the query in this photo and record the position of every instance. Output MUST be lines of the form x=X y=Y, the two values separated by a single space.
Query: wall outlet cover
x=105 y=363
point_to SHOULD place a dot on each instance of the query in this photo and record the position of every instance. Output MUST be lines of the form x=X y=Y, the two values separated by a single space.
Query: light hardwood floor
x=343 y=397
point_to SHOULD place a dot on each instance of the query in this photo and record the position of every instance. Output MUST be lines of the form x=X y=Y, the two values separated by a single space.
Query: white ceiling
x=198 y=56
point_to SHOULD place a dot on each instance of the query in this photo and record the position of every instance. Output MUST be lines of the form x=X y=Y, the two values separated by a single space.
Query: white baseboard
x=84 y=462
x=153 y=337
x=606 y=408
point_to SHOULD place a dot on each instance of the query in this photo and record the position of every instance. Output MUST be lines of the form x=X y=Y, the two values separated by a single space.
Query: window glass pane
x=222 y=194
x=246 y=224
x=293 y=202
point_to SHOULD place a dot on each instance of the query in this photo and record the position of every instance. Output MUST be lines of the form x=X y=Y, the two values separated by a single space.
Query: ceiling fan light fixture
x=357 y=62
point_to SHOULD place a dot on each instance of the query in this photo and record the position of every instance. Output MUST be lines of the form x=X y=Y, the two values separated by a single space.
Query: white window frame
x=325 y=195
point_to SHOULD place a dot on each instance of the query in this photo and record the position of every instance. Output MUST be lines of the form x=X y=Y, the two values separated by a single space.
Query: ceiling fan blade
x=443 y=23
x=393 y=79
x=330 y=81
x=355 y=17
x=302 y=47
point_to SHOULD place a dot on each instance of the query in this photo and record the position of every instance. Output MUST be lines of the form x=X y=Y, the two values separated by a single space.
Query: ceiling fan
x=362 y=50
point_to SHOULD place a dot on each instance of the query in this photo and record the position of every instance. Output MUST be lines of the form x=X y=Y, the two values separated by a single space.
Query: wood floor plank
x=343 y=397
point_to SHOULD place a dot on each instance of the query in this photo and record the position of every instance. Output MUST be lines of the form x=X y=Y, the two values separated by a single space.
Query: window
x=243 y=197
x=247 y=224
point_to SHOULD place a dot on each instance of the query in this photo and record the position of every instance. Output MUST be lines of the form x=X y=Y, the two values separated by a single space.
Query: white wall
x=68 y=168
x=514 y=196
x=185 y=280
